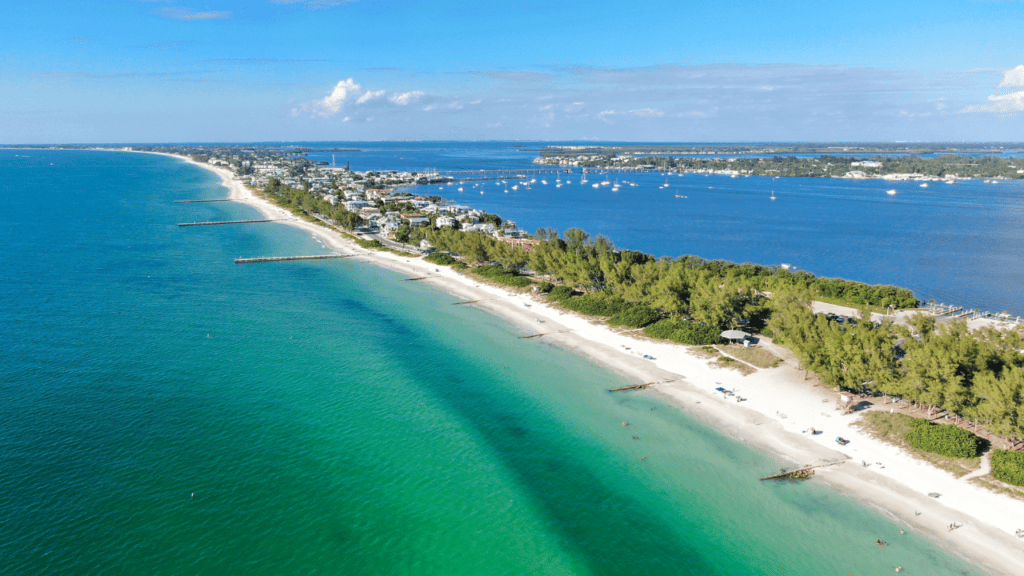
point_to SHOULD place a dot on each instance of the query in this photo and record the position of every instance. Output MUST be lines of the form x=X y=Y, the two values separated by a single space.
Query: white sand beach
x=779 y=408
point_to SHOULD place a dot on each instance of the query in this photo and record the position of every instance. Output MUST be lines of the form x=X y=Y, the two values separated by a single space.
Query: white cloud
x=605 y=114
x=1013 y=77
x=370 y=95
x=333 y=103
x=647 y=112
x=429 y=108
x=405 y=97
x=1000 y=103
x=346 y=119
x=348 y=92
x=1004 y=103
x=548 y=107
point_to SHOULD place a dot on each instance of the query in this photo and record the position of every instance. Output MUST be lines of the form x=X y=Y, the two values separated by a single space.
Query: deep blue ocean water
x=166 y=411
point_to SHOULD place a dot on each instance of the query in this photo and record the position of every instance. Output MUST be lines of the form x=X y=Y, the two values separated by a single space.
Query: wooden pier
x=284 y=258
x=799 y=473
x=200 y=201
x=415 y=279
x=467 y=302
x=231 y=222
x=534 y=336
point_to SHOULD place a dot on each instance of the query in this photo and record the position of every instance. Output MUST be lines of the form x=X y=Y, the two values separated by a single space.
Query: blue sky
x=224 y=70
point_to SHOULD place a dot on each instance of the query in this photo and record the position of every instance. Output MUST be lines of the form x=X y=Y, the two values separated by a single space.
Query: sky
x=155 y=71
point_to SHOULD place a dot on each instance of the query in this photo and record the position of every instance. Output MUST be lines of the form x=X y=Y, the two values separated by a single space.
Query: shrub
x=684 y=332
x=546 y=286
x=502 y=276
x=595 y=305
x=635 y=316
x=440 y=258
x=369 y=244
x=459 y=265
x=1008 y=466
x=947 y=440
x=559 y=293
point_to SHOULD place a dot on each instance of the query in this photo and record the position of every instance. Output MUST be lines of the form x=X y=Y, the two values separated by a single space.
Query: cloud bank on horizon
x=238 y=70
x=693 y=98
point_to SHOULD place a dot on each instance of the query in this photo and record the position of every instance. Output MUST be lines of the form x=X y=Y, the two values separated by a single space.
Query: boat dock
x=284 y=258
x=232 y=222
x=200 y=201
x=948 y=312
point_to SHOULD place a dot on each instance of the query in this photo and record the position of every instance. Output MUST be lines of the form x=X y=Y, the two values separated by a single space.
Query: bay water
x=958 y=244
x=166 y=411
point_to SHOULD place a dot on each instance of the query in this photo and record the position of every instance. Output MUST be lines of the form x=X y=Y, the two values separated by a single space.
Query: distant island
x=895 y=163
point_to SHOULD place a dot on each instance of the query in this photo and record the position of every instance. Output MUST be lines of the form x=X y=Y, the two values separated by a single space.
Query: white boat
x=773 y=195
x=558 y=185
x=596 y=185
x=516 y=187
x=461 y=189
x=924 y=185
x=544 y=182
x=568 y=181
x=891 y=192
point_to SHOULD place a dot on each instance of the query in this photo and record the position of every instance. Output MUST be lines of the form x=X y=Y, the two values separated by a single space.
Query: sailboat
x=773 y=195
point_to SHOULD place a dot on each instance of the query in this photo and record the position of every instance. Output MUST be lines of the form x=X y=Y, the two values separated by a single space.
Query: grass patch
x=757 y=356
x=733 y=364
x=990 y=483
x=893 y=429
x=706 y=352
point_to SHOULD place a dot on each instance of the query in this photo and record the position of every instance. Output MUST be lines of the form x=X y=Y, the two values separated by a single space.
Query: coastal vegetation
x=502 y=276
x=684 y=332
x=1008 y=466
x=974 y=376
x=943 y=439
x=894 y=429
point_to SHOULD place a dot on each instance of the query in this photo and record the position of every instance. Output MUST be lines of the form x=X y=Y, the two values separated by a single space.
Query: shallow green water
x=165 y=411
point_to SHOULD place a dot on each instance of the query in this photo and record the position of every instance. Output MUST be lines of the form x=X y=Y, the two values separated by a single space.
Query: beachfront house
x=419 y=221
x=445 y=221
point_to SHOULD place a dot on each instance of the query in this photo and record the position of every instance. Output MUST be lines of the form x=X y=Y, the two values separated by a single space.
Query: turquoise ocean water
x=165 y=411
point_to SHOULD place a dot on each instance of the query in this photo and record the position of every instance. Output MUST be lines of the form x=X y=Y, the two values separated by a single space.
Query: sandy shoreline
x=778 y=409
